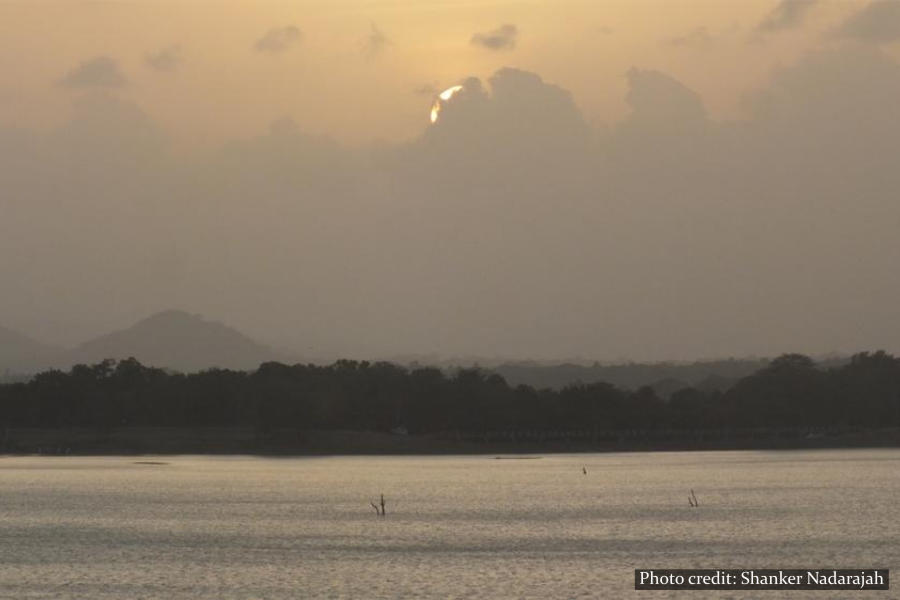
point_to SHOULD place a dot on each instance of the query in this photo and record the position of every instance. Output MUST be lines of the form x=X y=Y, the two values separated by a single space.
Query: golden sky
x=335 y=80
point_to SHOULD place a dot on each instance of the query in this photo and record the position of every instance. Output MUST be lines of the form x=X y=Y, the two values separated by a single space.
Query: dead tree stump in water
x=378 y=511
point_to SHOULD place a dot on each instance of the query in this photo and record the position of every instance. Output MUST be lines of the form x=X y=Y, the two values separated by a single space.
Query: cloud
x=878 y=22
x=656 y=96
x=835 y=98
x=668 y=123
x=100 y=72
x=509 y=227
x=518 y=110
x=108 y=159
x=502 y=38
x=168 y=59
x=495 y=133
x=278 y=39
x=375 y=42
x=698 y=38
x=787 y=14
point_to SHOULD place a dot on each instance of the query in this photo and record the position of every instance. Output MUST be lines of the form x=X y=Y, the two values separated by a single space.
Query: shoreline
x=136 y=441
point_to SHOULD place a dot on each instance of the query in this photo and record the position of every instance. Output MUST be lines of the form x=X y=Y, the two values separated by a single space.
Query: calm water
x=457 y=527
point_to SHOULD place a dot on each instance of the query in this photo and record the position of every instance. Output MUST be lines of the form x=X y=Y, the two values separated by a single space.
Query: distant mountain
x=664 y=377
x=177 y=340
x=21 y=354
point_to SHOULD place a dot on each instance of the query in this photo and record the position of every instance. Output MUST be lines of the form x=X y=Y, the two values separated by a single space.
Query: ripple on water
x=457 y=527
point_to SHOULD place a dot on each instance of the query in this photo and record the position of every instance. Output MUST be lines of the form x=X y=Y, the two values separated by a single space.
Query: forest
x=792 y=391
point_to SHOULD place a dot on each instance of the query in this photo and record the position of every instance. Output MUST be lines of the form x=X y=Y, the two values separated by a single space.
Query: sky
x=649 y=180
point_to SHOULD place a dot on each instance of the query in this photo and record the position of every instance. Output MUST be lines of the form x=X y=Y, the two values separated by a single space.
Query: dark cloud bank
x=510 y=227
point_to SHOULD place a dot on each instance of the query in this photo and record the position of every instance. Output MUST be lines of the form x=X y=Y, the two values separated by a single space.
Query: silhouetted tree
x=791 y=391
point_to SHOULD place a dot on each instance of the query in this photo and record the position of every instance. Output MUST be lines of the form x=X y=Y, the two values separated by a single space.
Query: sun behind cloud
x=442 y=97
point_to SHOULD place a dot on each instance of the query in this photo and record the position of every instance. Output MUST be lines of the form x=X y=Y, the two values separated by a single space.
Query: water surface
x=456 y=527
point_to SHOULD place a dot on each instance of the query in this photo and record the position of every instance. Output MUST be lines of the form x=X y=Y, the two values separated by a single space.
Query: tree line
x=792 y=391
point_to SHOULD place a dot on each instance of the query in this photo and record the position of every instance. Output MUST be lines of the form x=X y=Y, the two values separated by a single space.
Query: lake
x=456 y=526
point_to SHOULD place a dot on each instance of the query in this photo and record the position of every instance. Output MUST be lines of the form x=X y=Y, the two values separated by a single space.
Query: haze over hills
x=186 y=342
x=19 y=353
x=664 y=377
x=178 y=340
x=169 y=339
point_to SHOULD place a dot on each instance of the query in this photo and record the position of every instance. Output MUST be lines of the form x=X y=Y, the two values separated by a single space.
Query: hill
x=21 y=354
x=177 y=340
x=667 y=376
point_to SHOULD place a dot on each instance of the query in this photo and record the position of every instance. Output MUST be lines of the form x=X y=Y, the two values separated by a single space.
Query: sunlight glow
x=448 y=93
x=442 y=97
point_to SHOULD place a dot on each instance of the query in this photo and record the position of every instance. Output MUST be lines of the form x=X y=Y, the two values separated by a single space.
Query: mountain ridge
x=178 y=340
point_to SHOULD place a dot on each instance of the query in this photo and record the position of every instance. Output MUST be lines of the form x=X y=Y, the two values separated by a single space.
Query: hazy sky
x=637 y=179
x=354 y=67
